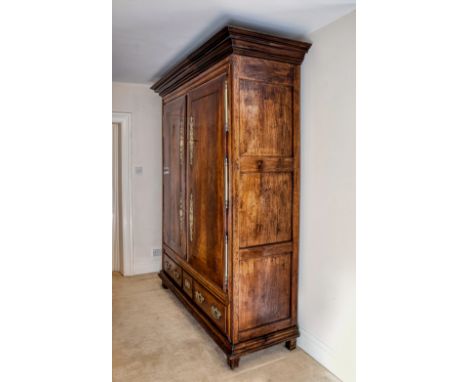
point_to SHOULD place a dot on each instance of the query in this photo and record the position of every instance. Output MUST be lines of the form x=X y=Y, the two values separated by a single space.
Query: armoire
x=231 y=138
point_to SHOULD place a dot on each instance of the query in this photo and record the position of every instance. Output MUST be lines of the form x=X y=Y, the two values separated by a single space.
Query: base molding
x=233 y=351
x=321 y=353
x=150 y=265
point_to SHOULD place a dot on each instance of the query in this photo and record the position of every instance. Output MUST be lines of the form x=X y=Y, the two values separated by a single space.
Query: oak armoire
x=231 y=155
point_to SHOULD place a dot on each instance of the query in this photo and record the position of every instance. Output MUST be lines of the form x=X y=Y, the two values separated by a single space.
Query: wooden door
x=205 y=180
x=174 y=154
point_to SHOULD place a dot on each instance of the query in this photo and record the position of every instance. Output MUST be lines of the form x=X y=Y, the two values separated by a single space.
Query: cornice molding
x=231 y=40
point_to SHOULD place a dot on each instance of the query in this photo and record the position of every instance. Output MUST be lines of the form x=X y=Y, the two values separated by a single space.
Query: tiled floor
x=156 y=339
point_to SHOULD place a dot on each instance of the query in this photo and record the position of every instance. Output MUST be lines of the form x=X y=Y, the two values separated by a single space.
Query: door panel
x=205 y=181
x=174 y=153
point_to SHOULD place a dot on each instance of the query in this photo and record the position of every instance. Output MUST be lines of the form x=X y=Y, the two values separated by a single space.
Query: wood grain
x=231 y=39
x=265 y=119
x=174 y=208
x=261 y=164
x=265 y=290
x=205 y=181
x=258 y=305
x=265 y=208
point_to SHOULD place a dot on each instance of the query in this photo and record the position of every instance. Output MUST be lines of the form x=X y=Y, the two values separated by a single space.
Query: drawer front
x=172 y=269
x=210 y=305
x=187 y=284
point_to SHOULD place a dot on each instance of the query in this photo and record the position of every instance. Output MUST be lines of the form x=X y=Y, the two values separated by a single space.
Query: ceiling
x=149 y=36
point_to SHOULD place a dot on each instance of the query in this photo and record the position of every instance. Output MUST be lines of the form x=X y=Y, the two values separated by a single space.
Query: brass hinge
x=191 y=217
x=226 y=247
x=226 y=111
x=226 y=183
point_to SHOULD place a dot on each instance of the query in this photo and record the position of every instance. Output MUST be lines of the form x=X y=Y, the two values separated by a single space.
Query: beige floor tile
x=156 y=339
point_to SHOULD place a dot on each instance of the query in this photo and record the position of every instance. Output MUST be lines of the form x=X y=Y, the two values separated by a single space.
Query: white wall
x=145 y=107
x=327 y=233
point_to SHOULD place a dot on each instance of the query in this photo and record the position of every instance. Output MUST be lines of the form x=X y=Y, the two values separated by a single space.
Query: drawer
x=187 y=284
x=172 y=269
x=210 y=305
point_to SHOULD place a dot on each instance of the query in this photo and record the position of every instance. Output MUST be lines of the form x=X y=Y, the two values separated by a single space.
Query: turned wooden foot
x=233 y=362
x=164 y=285
x=291 y=344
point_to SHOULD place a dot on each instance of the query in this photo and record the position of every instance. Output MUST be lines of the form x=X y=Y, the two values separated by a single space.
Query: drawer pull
x=168 y=266
x=215 y=312
x=199 y=297
x=187 y=284
x=176 y=274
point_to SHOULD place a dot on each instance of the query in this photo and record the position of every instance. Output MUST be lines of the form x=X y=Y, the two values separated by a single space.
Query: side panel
x=205 y=181
x=265 y=208
x=174 y=209
x=266 y=183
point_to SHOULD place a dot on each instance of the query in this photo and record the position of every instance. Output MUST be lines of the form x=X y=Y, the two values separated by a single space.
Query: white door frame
x=125 y=121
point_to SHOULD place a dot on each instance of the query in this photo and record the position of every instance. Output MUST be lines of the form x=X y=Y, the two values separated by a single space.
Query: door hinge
x=226 y=183
x=226 y=247
x=226 y=111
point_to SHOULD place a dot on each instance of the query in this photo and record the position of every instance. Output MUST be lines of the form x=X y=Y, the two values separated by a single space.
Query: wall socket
x=157 y=251
x=138 y=170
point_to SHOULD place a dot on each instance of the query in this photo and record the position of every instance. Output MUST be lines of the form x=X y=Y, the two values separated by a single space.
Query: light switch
x=138 y=170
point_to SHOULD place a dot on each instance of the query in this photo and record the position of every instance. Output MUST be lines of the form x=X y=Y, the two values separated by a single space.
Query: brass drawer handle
x=176 y=274
x=199 y=297
x=215 y=312
x=187 y=284
x=191 y=217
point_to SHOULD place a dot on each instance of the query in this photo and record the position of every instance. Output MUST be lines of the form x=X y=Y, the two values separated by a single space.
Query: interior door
x=205 y=180
x=174 y=153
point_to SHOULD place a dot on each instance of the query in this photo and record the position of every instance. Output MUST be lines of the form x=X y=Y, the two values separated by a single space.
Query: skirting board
x=153 y=264
x=322 y=354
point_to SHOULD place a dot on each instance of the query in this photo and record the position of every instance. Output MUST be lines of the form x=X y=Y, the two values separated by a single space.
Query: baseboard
x=153 y=264
x=320 y=352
